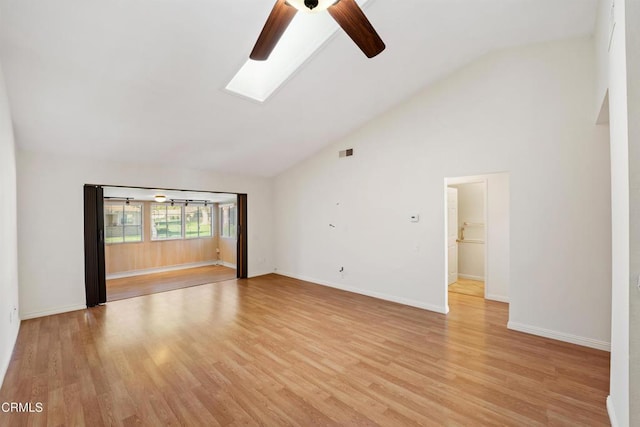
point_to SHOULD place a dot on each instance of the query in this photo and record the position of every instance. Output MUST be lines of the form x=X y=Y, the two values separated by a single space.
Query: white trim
x=260 y=273
x=471 y=277
x=227 y=264
x=612 y=412
x=498 y=298
x=161 y=269
x=560 y=336
x=52 y=311
x=5 y=366
x=378 y=295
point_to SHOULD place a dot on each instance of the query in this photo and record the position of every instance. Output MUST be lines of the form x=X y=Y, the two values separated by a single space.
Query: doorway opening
x=477 y=236
x=467 y=236
x=140 y=241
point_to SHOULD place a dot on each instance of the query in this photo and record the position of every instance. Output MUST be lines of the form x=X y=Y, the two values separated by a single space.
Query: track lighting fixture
x=162 y=198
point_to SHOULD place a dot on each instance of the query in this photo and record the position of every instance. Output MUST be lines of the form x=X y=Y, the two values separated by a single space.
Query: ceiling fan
x=347 y=14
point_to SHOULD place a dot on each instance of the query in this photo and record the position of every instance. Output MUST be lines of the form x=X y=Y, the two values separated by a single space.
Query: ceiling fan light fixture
x=312 y=6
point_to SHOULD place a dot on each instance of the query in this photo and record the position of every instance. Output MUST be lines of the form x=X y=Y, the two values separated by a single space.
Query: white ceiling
x=143 y=80
x=149 y=194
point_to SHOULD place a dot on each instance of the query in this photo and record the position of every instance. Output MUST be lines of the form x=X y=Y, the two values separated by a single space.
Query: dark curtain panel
x=242 y=266
x=94 y=269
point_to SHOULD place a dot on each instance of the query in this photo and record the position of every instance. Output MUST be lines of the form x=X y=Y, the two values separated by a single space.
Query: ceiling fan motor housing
x=311 y=4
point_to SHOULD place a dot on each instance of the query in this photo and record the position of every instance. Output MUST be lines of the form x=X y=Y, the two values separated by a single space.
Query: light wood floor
x=277 y=351
x=147 y=284
x=468 y=287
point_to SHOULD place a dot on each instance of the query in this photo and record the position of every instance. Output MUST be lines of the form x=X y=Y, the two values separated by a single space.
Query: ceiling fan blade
x=277 y=22
x=353 y=21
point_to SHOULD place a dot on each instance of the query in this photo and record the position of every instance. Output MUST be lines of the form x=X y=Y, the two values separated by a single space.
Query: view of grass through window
x=166 y=221
x=198 y=220
x=122 y=222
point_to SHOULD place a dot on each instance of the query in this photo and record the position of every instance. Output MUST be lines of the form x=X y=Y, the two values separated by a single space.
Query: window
x=122 y=222
x=228 y=221
x=197 y=221
x=166 y=221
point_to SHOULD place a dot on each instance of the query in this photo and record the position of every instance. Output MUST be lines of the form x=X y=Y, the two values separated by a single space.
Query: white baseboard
x=260 y=273
x=162 y=269
x=9 y=352
x=226 y=264
x=471 y=277
x=378 y=295
x=498 y=298
x=52 y=311
x=612 y=412
x=560 y=336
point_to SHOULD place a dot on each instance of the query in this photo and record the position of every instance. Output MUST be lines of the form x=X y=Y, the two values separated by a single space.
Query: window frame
x=124 y=204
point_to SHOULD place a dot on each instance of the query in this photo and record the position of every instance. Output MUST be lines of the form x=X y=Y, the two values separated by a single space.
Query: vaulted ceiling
x=143 y=81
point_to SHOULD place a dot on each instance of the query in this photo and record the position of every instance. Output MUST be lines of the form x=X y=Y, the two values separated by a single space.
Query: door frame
x=95 y=274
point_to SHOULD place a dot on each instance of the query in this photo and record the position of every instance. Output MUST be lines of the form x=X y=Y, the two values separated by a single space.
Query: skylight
x=306 y=33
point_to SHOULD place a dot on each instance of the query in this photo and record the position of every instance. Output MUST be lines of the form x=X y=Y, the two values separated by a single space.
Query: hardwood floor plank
x=278 y=351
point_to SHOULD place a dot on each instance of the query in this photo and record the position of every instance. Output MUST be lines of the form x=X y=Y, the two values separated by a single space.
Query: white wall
x=8 y=236
x=51 y=227
x=527 y=111
x=471 y=210
x=601 y=45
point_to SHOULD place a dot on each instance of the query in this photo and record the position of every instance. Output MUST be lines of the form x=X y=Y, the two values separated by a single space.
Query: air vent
x=346 y=153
